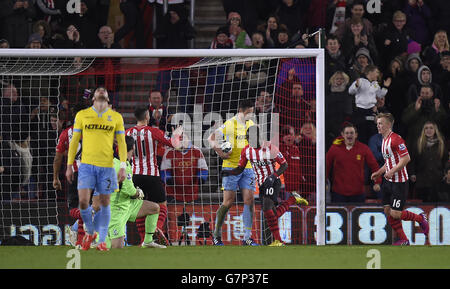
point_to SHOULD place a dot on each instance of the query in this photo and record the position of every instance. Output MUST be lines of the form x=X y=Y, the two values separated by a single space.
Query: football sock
x=284 y=206
x=410 y=216
x=396 y=224
x=272 y=222
x=220 y=217
x=86 y=215
x=81 y=232
x=140 y=226
x=247 y=217
x=96 y=219
x=162 y=216
x=105 y=216
x=75 y=213
x=150 y=227
x=74 y=227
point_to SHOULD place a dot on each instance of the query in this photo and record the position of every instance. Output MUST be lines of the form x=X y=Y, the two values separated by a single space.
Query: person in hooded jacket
x=424 y=77
x=176 y=31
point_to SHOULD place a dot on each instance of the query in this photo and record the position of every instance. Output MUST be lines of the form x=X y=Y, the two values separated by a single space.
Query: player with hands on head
x=263 y=159
x=394 y=191
x=99 y=125
x=128 y=204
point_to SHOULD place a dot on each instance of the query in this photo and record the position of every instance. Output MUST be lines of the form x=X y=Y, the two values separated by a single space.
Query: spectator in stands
x=357 y=12
x=238 y=34
x=443 y=79
x=440 y=10
x=359 y=63
x=222 y=39
x=175 y=31
x=283 y=37
x=428 y=159
x=34 y=41
x=14 y=111
x=43 y=29
x=15 y=16
x=133 y=22
x=345 y=162
x=424 y=77
x=396 y=97
x=15 y=165
x=291 y=152
x=258 y=40
x=293 y=13
x=396 y=39
x=443 y=188
x=430 y=54
x=338 y=105
x=269 y=28
x=158 y=111
x=366 y=91
x=106 y=38
x=294 y=108
x=4 y=43
x=307 y=147
x=86 y=23
x=264 y=109
x=71 y=39
x=419 y=19
x=356 y=38
x=183 y=171
x=334 y=57
x=425 y=108
x=412 y=64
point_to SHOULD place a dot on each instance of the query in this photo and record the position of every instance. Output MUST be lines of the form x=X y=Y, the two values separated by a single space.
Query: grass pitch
x=229 y=257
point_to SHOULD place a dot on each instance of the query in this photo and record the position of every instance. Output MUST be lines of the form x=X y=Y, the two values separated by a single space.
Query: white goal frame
x=279 y=53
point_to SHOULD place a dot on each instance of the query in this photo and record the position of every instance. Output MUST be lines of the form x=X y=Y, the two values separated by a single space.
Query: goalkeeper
x=127 y=204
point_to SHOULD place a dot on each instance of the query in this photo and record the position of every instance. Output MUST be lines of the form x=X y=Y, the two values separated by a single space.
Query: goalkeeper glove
x=140 y=193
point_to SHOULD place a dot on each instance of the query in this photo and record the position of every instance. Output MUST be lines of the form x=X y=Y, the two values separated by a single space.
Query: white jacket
x=366 y=93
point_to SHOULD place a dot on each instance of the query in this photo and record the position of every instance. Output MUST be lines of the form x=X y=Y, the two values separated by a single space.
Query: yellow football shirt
x=98 y=131
x=234 y=131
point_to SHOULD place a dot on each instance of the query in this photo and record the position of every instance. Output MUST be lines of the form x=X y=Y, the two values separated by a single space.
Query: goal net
x=199 y=91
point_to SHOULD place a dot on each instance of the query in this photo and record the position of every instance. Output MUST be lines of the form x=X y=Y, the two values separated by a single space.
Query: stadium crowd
x=396 y=61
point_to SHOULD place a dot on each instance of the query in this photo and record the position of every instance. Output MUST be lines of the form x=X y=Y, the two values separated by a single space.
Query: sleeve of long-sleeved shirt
x=120 y=137
x=329 y=159
x=353 y=89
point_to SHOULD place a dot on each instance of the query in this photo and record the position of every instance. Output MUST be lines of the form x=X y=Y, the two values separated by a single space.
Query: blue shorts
x=102 y=180
x=245 y=180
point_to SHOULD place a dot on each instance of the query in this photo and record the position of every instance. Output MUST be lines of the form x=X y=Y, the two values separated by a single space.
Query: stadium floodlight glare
x=25 y=66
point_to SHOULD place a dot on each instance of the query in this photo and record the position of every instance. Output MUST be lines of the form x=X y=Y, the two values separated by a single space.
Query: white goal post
x=89 y=54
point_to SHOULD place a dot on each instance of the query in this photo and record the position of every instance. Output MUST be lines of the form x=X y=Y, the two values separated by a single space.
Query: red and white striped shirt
x=262 y=160
x=146 y=139
x=63 y=145
x=393 y=148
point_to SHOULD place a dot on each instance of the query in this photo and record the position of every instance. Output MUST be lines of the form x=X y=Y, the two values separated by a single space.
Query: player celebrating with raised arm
x=145 y=167
x=263 y=159
x=98 y=125
x=127 y=205
x=234 y=131
x=396 y=158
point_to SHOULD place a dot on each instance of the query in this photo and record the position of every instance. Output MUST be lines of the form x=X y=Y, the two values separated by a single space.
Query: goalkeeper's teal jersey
x=120 y=199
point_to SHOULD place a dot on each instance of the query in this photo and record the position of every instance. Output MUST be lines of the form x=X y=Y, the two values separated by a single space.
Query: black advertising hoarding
x=345 y=225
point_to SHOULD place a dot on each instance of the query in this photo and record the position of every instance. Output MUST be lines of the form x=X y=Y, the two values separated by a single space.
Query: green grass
x=230 y=257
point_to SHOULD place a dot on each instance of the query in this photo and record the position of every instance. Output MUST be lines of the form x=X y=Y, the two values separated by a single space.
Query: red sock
x=80 y=231
x=396 y=224
x=272 y=222
x=75 y=213
x=162 y=216
x=410 y=216
x=140 y=225
x=284 y=206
